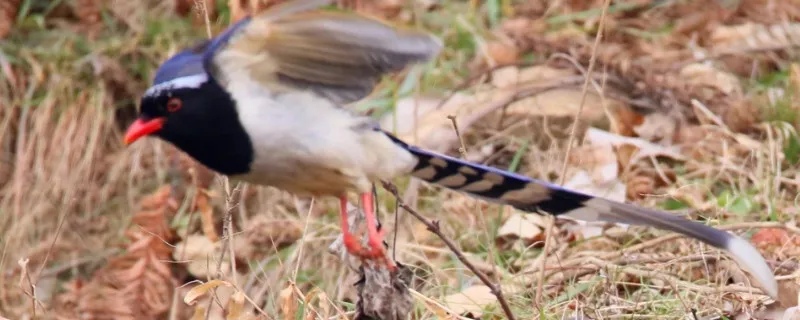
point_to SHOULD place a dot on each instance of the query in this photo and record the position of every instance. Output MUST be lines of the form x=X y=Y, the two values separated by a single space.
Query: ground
x=689 y=108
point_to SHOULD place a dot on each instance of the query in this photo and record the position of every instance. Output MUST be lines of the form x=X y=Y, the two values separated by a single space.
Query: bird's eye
x=174 y=104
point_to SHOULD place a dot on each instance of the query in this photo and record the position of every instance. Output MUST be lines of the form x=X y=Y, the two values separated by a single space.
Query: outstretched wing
x=341 y=56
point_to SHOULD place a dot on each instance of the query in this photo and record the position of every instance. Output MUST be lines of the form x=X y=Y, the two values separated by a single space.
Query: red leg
x=375 y=241
x=375 y=238
x=350 y=241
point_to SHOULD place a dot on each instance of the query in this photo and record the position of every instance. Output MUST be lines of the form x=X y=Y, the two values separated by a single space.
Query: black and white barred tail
x=530 y=195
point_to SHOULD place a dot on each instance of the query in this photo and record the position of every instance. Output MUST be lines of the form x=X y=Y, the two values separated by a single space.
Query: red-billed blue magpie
x=263 y=103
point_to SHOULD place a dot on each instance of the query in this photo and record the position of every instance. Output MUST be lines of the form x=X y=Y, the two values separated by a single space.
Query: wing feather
x=339 y=55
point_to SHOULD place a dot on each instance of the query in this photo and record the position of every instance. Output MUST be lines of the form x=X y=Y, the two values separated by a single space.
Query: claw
x=376 y=250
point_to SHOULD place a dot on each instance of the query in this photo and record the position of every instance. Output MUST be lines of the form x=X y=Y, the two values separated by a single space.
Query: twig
x=433 y=226
x=227 y=230
x=551 y=219
x=227 y=236
x=24 y=275
x=461 y=149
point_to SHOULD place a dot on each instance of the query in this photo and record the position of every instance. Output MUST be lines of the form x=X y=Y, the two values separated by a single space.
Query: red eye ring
x=174 y=104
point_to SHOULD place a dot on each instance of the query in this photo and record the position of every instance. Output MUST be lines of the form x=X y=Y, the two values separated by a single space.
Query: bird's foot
x=376 y=251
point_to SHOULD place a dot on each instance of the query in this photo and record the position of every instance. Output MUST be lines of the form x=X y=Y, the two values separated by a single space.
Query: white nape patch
x=748 y=257
x=192 y=81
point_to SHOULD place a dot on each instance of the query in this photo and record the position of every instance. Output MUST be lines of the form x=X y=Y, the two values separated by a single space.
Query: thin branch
x=433 y=226
x=231 y=202
x=463 y=148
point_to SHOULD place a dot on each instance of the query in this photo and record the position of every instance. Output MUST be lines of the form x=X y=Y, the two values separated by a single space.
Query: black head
x=194 y=113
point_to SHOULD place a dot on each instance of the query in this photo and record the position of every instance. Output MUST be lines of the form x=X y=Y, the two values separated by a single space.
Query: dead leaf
x=288 y=302
x=235 y=306
x=201 y=255
x=624 y=120
x=698 y=74
x=727 y=38
x=432 y=129
x=539 y=74
x=501 y=52
x=200 y=290
x=644 y=148
x=562 y=103
x=789 y=292
x=310 y=311
x=199 y=312
x=598 y=160
x=610 y=189
x=471 y=301
x=8 y=14
x=206 y=216
x=518 y=226
x=435 y=307
x=657 y=127
x=505 y=77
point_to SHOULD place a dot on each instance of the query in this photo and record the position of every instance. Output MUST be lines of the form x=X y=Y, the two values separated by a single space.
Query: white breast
x=307 y=145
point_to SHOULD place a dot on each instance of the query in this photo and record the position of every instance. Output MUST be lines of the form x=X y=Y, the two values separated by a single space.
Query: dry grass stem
x=562 y=177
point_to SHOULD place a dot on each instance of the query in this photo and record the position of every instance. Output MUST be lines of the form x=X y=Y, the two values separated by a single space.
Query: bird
x=264 y=102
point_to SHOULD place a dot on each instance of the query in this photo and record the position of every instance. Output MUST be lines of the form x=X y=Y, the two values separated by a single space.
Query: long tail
x=532 y=195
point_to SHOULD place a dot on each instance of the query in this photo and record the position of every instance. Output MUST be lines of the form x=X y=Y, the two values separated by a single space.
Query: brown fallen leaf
x=657 y=127
x=206 y=216
x=770 y=237
x=288 y=302
x=698 y=74
x=433 y=129
x=200 y=290
x=518 y=226
x=8 y=14
x=726 y=38
x=471 y=301
x=562 y=103
x=505 y=77
x=644 y=148
x=789 y=292
x=502 y=52
x=235 y=306
x=214 y=290
x=200 y=254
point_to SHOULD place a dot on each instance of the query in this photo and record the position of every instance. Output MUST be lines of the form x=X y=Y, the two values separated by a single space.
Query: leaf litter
x=669 y=121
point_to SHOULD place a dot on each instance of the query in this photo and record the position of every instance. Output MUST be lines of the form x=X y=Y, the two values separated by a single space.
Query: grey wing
x=339 y=55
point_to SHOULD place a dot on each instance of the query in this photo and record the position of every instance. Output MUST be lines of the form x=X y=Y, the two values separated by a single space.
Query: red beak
x=141 y=128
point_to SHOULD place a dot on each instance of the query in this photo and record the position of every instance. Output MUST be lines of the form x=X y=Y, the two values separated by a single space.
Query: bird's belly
x=302 y=179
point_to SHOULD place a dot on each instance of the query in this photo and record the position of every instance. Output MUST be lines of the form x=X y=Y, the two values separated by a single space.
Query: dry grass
x=69 y=190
